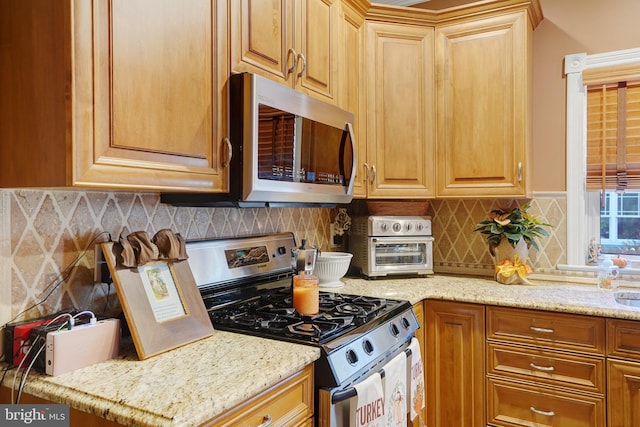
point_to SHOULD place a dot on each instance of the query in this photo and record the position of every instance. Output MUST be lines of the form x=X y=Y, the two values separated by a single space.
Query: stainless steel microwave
x=287 y=149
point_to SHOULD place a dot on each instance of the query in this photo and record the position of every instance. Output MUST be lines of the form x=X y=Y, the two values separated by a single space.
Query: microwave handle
x=349 y=129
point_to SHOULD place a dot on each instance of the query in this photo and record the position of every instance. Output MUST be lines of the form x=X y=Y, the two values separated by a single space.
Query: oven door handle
x=348 y=393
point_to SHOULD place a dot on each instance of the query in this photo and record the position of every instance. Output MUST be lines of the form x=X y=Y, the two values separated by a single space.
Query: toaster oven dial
x=397 y=227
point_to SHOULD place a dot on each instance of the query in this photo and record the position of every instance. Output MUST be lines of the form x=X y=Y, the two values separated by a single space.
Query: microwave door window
x=276 y=144
x=326 y=154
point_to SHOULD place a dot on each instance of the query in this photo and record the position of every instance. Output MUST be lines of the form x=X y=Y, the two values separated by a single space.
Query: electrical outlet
x=101 y=272
x=334 y=239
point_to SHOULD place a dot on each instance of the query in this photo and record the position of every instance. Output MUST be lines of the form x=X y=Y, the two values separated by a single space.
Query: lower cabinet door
x=519 y=404
x=623 y=393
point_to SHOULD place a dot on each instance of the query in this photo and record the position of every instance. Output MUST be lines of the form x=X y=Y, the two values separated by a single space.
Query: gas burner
x=315 y=329
x=352 y=309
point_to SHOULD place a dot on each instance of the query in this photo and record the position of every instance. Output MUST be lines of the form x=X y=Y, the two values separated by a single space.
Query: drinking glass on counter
x=306 y=294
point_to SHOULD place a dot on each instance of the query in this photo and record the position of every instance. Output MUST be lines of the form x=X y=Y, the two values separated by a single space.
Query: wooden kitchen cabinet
x=351 y=85
x=545 y=368
x=455 y=357
x=623 y=373
x=484 y=103
x=120 y=94
x=289 y=403
x=397 y=160
x=293 y=42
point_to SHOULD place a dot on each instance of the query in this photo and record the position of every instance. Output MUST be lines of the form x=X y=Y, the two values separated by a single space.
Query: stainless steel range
x=246 y=284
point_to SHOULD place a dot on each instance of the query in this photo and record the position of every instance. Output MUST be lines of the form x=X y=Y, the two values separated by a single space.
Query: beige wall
x=570 y=26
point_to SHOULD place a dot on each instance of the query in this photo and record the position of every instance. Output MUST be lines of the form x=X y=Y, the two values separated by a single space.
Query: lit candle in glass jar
x=306 y=294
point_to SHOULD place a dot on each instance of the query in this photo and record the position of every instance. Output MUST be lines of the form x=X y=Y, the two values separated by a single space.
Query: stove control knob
x=394 y=330
x=352 y=357
x=397 y=227
x=367 y=346
x=406 y=323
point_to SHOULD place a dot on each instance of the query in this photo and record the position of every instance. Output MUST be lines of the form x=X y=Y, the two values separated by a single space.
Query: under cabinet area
x=124 y=95
x=545 y=369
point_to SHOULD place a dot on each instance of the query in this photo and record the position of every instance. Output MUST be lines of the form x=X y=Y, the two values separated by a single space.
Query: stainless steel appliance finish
x=287 y=148
x=392 y=245
x=246 y=284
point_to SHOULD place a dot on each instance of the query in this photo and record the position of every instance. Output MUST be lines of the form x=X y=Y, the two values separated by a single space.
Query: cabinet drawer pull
x=542 y=330
x=542 y=368
x=545 y=413
x=266 y=421
x=374 y=174
x=366 y=172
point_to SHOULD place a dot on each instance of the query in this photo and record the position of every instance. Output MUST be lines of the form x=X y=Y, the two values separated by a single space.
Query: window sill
x=594 y=269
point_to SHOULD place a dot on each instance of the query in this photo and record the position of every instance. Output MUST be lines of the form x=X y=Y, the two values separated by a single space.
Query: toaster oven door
x=400 y=255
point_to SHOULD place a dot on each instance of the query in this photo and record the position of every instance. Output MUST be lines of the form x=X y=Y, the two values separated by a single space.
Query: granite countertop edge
x=202 y=380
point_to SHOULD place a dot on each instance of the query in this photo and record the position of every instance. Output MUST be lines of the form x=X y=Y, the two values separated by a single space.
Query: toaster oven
x=392 y=245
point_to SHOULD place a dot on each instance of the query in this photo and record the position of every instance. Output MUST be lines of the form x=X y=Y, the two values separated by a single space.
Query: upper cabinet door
x=129 y=94
x=400 y=111
x=288 y=41
x=484 y=106
x=159 y=109
x=262 y=36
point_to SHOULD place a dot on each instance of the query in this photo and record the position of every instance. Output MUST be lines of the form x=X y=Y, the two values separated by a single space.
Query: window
x=615 y=217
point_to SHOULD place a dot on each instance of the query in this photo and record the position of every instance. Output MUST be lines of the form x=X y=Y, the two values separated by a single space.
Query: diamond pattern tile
x=43 y=231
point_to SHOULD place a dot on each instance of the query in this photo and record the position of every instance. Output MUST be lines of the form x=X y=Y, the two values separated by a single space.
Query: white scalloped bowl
x=331 y=267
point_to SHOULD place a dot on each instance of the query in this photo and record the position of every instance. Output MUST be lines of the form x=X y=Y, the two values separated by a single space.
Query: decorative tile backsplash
x=44 y=232
x=458 y=249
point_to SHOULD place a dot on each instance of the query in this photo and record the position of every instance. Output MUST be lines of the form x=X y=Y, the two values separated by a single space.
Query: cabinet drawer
x=554 y=330
x=623 y=338
x=515 y=404
x=289 y=403
x=547 y=367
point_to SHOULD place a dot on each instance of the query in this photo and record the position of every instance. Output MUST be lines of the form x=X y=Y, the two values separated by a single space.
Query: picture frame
x=161 y=303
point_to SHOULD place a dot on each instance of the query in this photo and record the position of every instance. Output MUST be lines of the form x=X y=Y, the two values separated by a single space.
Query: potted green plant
x=510 y=233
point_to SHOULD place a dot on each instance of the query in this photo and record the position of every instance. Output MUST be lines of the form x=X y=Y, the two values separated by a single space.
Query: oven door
x=335 y=404
x=400 y=255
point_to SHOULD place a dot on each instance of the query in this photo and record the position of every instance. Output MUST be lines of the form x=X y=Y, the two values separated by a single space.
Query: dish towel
x=395 y=391
x=367 y=409
x=415 y=379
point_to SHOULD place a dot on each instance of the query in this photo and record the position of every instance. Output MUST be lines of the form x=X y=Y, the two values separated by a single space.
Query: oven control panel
x=395 y=226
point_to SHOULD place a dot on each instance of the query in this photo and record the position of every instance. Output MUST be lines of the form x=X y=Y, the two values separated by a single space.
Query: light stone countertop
x=182 y=387
x=542 y=295
x=199 y=381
